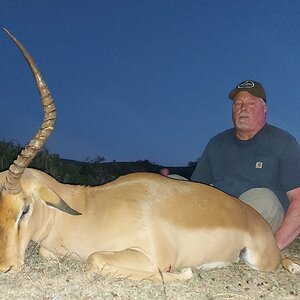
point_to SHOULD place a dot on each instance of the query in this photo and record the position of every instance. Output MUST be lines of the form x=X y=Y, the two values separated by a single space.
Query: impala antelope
x=140 y=226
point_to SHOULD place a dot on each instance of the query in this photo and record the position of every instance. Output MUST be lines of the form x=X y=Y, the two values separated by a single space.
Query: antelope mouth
x=8 y=270
x=11 y=269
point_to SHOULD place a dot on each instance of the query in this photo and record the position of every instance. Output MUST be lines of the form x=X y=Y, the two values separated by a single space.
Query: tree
x=96 y=160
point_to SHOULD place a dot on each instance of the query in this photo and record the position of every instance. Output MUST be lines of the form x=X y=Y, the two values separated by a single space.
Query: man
x=256 y=162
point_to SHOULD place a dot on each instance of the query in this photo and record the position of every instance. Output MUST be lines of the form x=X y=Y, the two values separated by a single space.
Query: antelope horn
x=12 y=184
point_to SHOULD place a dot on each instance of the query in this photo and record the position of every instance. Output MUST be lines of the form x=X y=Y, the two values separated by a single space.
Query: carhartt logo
x=248 y=84
x=259 y=165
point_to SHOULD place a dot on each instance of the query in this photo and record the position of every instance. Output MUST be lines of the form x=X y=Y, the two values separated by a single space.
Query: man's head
x=248 y=108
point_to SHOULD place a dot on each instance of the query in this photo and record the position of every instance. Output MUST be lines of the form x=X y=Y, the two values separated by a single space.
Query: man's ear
x=265 y=106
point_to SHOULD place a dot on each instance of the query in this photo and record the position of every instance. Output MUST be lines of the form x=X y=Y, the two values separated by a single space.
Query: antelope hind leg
x=131 y=264
x=262 y=253
x=289 y=265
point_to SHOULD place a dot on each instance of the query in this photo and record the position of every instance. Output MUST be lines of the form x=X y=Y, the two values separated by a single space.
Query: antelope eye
x=25 y=211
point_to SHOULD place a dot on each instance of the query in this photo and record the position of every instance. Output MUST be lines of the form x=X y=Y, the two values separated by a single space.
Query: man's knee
x=267 y=204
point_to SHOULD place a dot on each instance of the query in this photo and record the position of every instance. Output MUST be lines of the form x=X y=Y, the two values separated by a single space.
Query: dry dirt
x=63 y=278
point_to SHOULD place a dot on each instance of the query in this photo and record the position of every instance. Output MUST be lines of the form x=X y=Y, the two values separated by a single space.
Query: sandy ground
x=63 y=278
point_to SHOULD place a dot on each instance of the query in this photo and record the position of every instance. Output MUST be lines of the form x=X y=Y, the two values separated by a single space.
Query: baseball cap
x=253 y=87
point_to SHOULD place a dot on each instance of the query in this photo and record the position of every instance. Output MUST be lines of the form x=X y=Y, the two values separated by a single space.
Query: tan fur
x=140 y=226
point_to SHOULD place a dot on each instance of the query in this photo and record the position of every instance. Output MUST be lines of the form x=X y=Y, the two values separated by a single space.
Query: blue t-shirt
x=270 y=159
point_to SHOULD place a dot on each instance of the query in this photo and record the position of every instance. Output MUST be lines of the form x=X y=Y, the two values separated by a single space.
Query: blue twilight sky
x=146 y=79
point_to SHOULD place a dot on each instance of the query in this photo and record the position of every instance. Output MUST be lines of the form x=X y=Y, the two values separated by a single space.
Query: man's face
x=248 y=114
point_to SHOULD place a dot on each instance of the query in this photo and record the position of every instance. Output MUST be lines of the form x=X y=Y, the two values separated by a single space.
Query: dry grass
x=64 y=278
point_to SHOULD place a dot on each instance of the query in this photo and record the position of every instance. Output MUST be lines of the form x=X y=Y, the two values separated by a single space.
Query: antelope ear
x=52 y=199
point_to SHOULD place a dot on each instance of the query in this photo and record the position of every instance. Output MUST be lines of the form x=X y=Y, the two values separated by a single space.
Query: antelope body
x=141 y=226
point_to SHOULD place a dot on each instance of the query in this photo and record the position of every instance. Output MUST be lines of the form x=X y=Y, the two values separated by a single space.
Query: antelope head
x=16 y=201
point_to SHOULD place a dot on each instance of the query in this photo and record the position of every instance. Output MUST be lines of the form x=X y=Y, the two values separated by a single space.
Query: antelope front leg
x=131 y=264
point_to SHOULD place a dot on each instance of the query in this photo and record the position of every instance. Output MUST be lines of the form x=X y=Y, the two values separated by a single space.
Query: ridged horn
x=12 y=184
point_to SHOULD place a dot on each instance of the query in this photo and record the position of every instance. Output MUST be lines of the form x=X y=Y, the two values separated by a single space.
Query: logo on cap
x=248 y=84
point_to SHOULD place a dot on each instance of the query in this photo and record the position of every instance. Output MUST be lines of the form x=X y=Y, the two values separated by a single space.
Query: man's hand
x=290 y=228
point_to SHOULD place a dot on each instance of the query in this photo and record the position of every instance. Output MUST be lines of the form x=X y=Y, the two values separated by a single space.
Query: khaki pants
x=267 y=204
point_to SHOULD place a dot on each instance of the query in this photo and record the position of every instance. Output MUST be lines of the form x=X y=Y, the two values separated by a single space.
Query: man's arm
x=290 y=228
